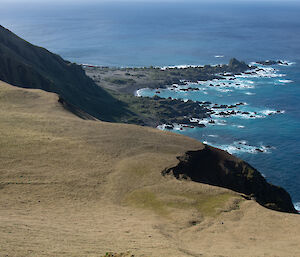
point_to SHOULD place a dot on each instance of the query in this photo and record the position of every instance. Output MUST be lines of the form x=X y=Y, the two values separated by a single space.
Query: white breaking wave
x=269 y=112
x=253 y=64
x=242 y=146
x=89 y=65
x=285 y=81
x=209 y=122
x=261 y=72
x=213 y=135
x=286 y=63
x=297 y=206
x=228 y=85
x=219 y=56
x=138 y=93
x=175 y=126
x=226 y=113
x=183 y=66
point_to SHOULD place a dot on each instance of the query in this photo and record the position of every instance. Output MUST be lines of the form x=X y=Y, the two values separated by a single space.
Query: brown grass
x=70 y=187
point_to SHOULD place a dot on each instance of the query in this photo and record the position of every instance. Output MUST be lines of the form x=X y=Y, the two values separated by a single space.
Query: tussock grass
x=70 y=187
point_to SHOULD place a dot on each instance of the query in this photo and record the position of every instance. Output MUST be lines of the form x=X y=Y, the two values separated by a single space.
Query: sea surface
x=175 y=33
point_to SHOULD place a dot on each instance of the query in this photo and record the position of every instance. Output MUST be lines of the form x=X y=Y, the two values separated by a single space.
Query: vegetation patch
x=147 y=200
x=119 y=81
x=206 y=204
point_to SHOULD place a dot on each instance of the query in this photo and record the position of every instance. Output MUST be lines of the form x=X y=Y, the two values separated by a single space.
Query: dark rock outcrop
x=216 y=167
x=268 y=62
x=271 y=62
x=237 y=66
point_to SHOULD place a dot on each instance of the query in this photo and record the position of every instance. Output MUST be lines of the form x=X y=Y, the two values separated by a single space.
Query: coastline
x=126 y=84
x=259 y=69
x=129 y=80
x=80 y=95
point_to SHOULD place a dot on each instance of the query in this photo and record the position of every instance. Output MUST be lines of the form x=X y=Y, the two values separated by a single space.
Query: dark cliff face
x=25 y=65
x=216 y=167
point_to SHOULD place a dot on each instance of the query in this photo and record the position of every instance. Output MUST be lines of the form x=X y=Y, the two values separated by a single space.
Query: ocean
x=129 y=34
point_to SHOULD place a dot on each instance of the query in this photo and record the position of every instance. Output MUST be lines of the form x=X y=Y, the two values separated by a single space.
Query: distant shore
x=126 y=83
x=129 y=80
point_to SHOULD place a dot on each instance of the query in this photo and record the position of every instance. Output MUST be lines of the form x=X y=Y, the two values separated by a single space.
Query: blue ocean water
x=193 y=33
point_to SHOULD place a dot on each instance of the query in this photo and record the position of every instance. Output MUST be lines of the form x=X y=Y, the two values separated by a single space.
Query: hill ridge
x=74 y=187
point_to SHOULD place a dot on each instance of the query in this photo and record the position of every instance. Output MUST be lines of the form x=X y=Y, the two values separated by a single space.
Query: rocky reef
x=128 y=80
x=272 y=62
x=216 y=167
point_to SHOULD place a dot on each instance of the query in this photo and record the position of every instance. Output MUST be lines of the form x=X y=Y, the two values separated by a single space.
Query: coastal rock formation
x=116 y=79
x=216 y=167
x=237 y=66
x=272 y=62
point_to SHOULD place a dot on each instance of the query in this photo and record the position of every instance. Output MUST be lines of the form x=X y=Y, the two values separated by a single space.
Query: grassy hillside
x=73 y=187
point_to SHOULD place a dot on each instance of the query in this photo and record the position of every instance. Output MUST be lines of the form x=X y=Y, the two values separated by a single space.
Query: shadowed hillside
x=25 y=65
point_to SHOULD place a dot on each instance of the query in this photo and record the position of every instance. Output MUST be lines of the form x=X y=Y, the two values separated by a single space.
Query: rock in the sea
x=268 y=62
x=237 y=66
x=169 y=126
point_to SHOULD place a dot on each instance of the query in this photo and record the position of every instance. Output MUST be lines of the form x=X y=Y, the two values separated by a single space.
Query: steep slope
x=25 y=65
x=73 y=187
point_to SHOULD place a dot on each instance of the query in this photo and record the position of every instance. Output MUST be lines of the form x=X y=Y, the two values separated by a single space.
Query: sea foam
x=261 y=72
x=286 y=63
x=183 y=66
x=285 y=81
x=297 y=206
x=243 y=147
x=139 y=92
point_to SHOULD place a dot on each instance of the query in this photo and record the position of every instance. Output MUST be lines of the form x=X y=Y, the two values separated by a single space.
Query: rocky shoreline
x=169 y=113
x=129 y=80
